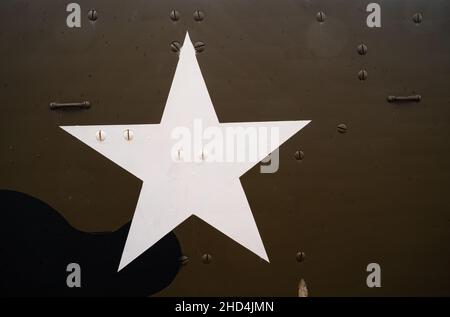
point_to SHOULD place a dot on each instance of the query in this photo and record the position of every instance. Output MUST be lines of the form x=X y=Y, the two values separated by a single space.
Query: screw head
x=175 y=46
x=362 y=74
x=174 y=15
x=362 y=49
x=320 y=17
x=206 y=258
x=183 y=260
x=93 y=15
x=128 y=134
x=100 y=135
x=199 y=16
x=199 y=47
x=417 y=18
x=342 y=128
x=299 y=155
x=300 y=256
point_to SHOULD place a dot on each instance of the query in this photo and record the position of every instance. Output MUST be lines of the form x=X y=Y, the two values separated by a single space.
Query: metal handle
x=62 y=105
x=414 y=98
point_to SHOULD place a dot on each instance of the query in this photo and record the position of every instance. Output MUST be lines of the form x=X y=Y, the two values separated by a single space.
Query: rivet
x=320 y=17
x=174 y=15
x=206 y=258
x=342 y=128
x=300 y=256
x=100 y=135
x=183 y=260
x=417 y=18
x=299 y=155
x=128 y=134
x=92 y=15
x=199 y=47
x=175 y=46
x=199 y=16
x=362 y=49
x=362 y=74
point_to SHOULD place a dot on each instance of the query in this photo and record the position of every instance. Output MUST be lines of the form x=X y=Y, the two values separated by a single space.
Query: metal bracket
x=61 y=105
x=414 y=98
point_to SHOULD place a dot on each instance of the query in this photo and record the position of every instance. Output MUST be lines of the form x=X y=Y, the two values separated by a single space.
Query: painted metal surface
x=377 y=193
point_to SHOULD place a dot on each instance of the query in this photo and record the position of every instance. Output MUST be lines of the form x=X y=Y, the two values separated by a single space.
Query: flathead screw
x=417 y=18
x=184 y=260
x=128 y=135
x=100 y=135
x=199 y=16
x=174 y=15
x=362 y=74
x=199 y=47
x=206 y=258
x=300 y=256
x=342 y=128
x=299 y=155
x=175 y=46
x=92 y=15
x=362 y=49
x=320 y=17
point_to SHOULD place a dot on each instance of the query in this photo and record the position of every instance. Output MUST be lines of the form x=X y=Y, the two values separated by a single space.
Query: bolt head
x=199 y=16
x=320 y=17
x=175 y=46
x=300 y=256
x=93 y=15
x=183 y=260
x=174 y=15
x=206 y=258
x=362 y=74
x=417 y=18
x=362 y=49
x=342 y=128
x=199 y=47
x=128 y=134
x=100 y=135
x=299 y=155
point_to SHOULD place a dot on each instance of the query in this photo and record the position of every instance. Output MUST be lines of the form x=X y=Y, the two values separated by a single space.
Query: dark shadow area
x=37 y=244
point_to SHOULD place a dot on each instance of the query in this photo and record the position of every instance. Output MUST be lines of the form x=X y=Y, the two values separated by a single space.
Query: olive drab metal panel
x=360 y=203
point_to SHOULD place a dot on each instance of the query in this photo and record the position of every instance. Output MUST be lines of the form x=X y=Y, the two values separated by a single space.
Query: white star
x=173 y=191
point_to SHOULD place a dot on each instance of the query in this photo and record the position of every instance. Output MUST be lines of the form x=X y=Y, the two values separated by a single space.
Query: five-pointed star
x=172 y=191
